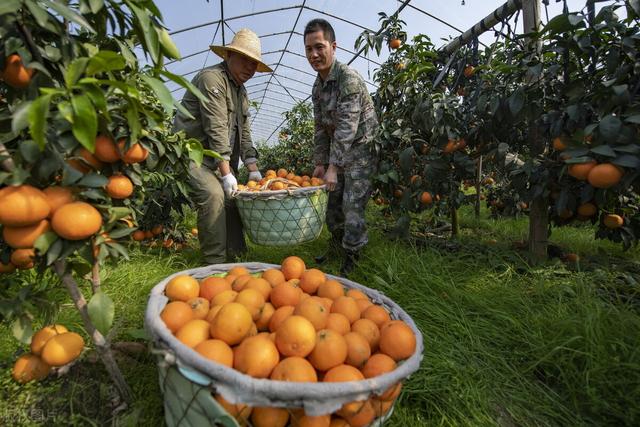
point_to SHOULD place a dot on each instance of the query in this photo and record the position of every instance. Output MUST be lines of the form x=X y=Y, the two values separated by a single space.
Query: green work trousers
x=219 y=224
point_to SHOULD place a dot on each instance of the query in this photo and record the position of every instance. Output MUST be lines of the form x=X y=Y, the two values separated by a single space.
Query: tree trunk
x=455 y=225
x=478 y=187
x=95 y=277
x=102 y=345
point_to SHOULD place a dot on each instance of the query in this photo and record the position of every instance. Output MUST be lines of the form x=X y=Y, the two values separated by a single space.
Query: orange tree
x=82 y=123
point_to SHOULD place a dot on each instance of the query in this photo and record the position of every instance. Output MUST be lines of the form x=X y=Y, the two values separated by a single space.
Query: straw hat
x=247 y=43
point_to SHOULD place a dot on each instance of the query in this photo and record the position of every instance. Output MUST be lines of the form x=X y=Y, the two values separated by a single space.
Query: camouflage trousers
x=346 y=208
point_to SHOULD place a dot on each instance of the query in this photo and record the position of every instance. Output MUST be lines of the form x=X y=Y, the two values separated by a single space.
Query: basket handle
x=290 y=183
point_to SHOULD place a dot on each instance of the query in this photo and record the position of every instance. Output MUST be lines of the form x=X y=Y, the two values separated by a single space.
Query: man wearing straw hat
x=345 y=128
x=221 y=123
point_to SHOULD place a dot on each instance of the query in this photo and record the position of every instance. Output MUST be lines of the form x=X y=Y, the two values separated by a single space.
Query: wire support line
x=336 y=17
x=285 y=89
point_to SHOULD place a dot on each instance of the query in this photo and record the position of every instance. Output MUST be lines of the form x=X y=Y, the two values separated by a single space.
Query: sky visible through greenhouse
x=283 y=46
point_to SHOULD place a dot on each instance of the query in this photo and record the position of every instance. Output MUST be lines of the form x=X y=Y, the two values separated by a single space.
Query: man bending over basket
x=345 y=128
x=220 y=123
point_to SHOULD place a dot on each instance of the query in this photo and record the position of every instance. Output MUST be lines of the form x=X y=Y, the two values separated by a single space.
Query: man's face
x=241 y=67
x=320 y=52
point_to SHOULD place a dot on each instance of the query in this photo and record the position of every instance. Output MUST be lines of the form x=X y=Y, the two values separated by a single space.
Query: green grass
x=505 y=344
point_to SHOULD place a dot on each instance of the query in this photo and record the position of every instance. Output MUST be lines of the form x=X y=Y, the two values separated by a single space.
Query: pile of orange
x=290 y=324
x=599 y=175
x=280 y=180
x=27 y=212
x=52 y=345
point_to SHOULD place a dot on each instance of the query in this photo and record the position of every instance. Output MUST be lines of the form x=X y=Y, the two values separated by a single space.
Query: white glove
x=255 y=176
x=229 y=184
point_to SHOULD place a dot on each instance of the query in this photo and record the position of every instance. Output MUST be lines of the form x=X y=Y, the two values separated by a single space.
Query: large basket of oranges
x=281 y=212
x=272 y=344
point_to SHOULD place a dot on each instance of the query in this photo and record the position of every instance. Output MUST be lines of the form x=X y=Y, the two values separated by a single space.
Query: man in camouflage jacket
x=345 y=128
x=220 y=122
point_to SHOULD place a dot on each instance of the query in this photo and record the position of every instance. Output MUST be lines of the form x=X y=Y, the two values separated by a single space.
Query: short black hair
x=323 y=25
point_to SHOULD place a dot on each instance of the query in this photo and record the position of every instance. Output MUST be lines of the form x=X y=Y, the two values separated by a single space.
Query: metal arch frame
x=291 y=86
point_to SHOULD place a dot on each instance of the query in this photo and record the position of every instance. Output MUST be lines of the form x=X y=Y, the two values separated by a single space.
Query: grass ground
x=505 y=344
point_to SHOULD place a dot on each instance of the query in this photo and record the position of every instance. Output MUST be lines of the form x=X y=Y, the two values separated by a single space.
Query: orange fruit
x=182 y=288
x=300 y=419
x=232 y=323
x=391 y=393
x=176 y=314
x=469 y=71
x=581 y=171
x=260 y=285
x=138 y=235
x=194 y=332
x=7 y=268
x=295 y=369
x=238 y=271
x=157 y=229
x=342 y=373
x=296 y=336
x=279 y=316
x=338 y=422
x=339 y=323
x=311 y=279
x=22 y=205
x=282 y=173
x=25 y=237
x=119 y=187
x=426 y=198
x=330 y=350
x=363 y=417
x=265 y=317
x=106 y=150
x=76 y=221
x=363 y=304
x=314 y=311
x=256 y=356
x=230 y=278
x=285 y=293
x=381 y=407
x=395 y=43
x=368 y=329
x=199 y=306
x=292 y=267
x=15 y=74
x=559 y=144
x=135 y=154
x=90 y=161
x=241 y=282
x=253 y=301
x=224 y=297
x=290 y=176
x=397 y=340
x=213 y=311
x=62 y=348
x=278 y=186
x=587 y=209
x=269 y=417
x=327 y=302
x=58 y=196
x=29 y=367
x=347 y=306
x=273 y=276
x=613 y=221
x=23 y=258
x=212 y=286
x=376 y=313
x=239 y=411
x=216 y=350
x=40 y=338
x=356 y=294
x=605 y=175
x=378 y=364
x=358 y=349
x=331 y=289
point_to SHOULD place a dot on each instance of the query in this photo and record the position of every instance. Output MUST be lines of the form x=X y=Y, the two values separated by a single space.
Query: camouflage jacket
x=217 y=120
x=345 y=120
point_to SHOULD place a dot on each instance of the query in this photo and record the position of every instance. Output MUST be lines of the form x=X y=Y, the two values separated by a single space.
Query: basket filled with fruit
x=283 y=208
x=278 y=345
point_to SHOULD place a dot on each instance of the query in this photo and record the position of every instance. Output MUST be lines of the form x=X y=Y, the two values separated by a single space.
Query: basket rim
x=277 y=390
x=277 y=194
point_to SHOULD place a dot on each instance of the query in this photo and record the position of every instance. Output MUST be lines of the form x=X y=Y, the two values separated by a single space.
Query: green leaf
x=184 y=83
x=105 y=60
x=74 y=71
x=39 y=13
x=164 y=96
x=96 y=5
x=146 y=31
x=139 y=334
x=38 y=113
x=169 y=48
x=121 y=232
x=610 y=127
x=69 y=14
x=54 y=251
x=211 y=153
x=633 y=119
x=20 y=118
x=604 y=150
x=22 y=329
x=29 y=151
x=516 y=101
x=66 y=111
x=44 y=241
x=85 y=122
x=9 y=6
x=627 y=161
x=629 y=148
x=406 y=159
x=93 y=180
x=127 y=54
x=133 y=121
x=119 y=249
x=101 y=311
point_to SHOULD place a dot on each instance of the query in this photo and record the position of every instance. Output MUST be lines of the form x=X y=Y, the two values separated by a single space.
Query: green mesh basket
x=284 y=217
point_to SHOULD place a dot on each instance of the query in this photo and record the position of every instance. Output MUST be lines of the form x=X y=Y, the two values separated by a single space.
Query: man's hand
x=331 y=177
x=229 y=184
x=255 y=176
x=318 y=172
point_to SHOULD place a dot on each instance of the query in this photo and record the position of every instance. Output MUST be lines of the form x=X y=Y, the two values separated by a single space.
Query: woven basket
x=283 y=217
x=188 y=379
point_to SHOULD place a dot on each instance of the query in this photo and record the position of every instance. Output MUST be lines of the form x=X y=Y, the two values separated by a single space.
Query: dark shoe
x=333 y=249
x=350 y=262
